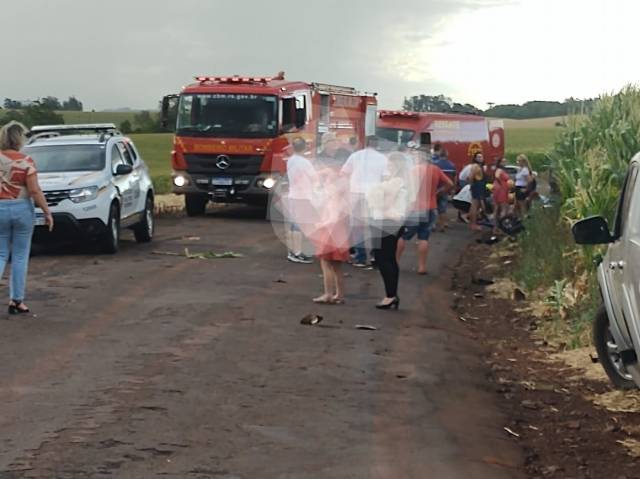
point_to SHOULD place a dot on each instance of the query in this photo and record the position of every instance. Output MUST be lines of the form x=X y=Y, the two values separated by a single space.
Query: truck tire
x=195 y=204
x=143 y=231
x=111 y=240
x=607 y=352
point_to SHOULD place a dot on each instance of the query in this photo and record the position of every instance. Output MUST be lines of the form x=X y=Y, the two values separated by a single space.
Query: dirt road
x=142 y=365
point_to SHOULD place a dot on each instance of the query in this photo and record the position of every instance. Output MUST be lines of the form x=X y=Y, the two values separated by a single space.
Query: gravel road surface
x=143 y=365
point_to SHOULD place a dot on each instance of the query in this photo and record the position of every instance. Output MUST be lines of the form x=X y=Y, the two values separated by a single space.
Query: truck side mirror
x=168 y=104
x=592 y=230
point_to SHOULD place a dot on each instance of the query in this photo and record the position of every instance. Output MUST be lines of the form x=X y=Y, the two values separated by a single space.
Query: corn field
x=590 y=158
x=588 y=162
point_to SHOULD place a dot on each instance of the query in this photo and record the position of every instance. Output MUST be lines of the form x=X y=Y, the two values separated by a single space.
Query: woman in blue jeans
x=19 y=188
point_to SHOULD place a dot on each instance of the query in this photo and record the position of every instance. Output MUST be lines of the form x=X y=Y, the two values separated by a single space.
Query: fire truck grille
x=237 y=164
x=55 y=197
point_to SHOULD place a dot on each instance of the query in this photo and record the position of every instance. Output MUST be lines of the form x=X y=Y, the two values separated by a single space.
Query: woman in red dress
x=500 y=193
x=331 y=236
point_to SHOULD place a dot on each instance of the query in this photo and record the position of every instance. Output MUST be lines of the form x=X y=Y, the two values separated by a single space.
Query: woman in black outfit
x=388 y=265
x=388 y=202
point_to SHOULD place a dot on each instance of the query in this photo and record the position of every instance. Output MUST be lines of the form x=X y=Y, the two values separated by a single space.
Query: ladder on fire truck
x=334 y=89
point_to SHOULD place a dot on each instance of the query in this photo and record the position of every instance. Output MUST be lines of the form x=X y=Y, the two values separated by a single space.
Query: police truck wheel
x=608 y=353
x=111 y=239
x=195 y=204
x=143 y=231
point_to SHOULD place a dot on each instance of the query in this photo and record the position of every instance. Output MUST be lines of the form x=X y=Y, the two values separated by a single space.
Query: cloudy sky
x=129 y=53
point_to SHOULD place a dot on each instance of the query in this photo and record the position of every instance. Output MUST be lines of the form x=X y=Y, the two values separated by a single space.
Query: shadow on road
x=237 y=212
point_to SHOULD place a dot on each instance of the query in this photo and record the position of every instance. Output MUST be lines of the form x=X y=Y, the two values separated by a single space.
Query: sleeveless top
x=15 y=167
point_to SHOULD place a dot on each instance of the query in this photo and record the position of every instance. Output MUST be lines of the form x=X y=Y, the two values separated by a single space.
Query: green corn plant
x=588 y=162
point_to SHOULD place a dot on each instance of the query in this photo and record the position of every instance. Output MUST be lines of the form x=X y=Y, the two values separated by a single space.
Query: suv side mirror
x=123 y=169
x=592 y=230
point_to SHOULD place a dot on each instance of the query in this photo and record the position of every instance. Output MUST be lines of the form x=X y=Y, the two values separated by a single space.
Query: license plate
x=221 y=181
x=40 y=220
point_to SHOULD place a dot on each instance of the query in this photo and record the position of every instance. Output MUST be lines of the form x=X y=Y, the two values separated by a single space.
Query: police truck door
x=122 y=182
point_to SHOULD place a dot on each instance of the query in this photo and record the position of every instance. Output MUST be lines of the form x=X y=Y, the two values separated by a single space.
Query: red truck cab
x=232 y=133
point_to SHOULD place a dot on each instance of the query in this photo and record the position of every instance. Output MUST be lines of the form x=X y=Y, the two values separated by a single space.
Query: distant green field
x=534 y=137
x=71 y=117
x=530 y=140
x=155 y=148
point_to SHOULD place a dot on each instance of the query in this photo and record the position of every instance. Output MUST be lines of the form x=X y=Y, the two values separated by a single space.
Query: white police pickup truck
x=616 y=326
x=95 y=182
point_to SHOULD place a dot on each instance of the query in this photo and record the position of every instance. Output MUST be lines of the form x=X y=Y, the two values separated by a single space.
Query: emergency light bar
x=95 y=127
x=234 y=79
x=402 y=114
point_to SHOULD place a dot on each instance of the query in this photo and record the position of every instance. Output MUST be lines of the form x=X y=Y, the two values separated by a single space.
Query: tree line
x=35 y=114
x=143 y=122
x=530 y=109
x=45 y=111
x=51 y=102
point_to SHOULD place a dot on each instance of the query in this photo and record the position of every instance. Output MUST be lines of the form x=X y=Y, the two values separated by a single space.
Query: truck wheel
x=195 y=204
x=143 y=231
x=111 y=240
x=608 y=352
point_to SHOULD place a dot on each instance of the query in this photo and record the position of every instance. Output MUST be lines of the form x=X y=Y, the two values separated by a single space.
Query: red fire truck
x=232 y=133
x=461 y=135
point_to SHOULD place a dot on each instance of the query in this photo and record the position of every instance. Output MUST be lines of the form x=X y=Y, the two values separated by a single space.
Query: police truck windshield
x=58 y=158
x=228 y=115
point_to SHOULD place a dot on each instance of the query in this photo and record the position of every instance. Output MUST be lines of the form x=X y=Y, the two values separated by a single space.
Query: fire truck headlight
x=179 y=181
x=269 y=183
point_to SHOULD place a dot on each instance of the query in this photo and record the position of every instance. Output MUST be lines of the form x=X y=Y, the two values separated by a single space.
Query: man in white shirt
x=365 y=169
x=301 y=176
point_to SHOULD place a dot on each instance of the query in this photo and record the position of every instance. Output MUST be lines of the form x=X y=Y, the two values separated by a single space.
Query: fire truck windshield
x=395 y=135
x=228 y=115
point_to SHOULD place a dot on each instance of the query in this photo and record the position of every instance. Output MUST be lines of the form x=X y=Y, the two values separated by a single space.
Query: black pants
x=386 y=261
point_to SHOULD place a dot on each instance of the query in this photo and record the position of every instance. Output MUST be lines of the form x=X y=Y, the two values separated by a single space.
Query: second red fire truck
x=461 y=135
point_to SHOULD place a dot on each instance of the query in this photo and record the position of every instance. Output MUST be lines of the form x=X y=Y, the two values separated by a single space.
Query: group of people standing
x=507 y=196
x=350 y=207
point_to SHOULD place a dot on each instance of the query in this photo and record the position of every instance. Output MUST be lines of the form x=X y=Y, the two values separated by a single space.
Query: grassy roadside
x=560 y=288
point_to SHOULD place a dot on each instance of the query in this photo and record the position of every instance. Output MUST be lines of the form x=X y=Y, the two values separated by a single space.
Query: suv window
x=116 y=158
x=132 y=150
x=624 y=207
x=126 y=154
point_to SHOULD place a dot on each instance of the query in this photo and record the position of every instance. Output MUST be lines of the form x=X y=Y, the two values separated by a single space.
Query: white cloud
x=532 y=49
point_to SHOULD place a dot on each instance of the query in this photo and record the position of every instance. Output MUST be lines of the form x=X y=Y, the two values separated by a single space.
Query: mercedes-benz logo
x=223 y=162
